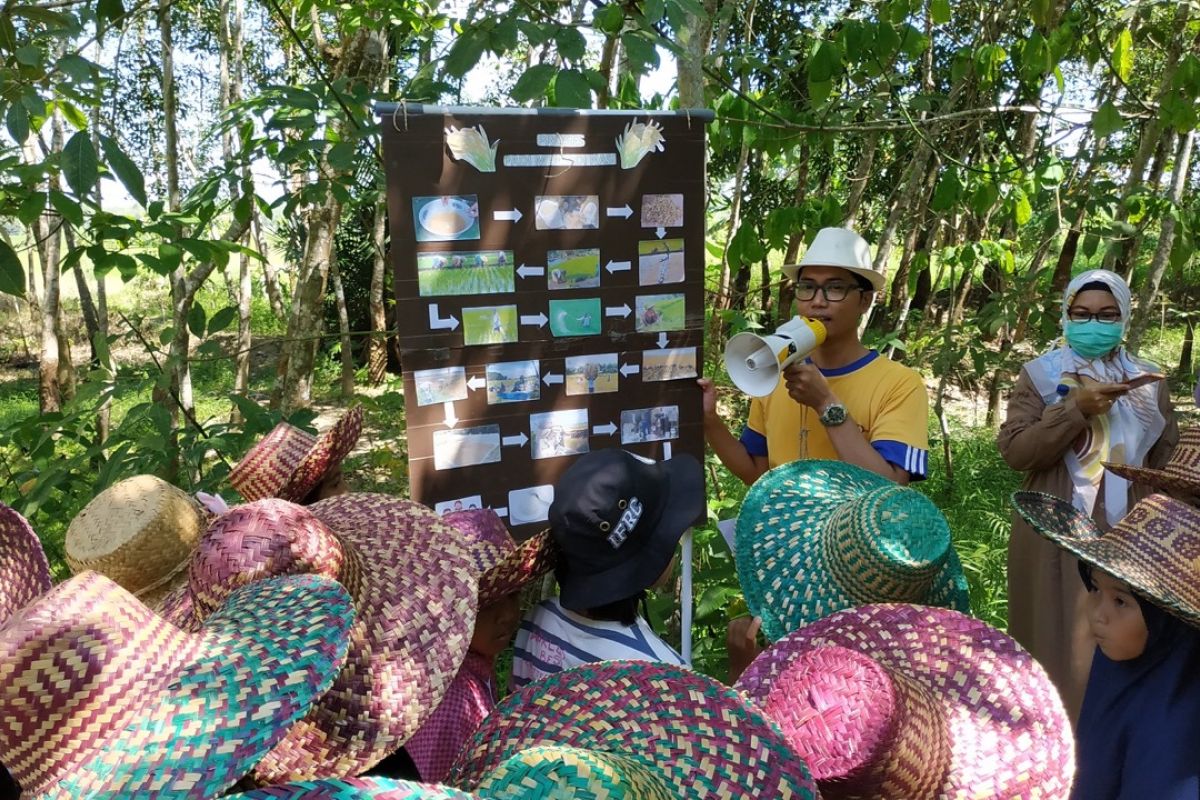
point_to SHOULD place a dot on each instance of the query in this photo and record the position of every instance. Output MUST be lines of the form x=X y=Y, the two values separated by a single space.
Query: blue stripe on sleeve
x=912 y=460
x=754 y=442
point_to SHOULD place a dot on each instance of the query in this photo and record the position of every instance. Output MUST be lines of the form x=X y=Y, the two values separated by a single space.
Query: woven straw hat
x=504 y=566
x=289 y=463
x=100 y=697
x=353 y=789
x=692 y=733
x=1155 y=548
x=568 y=773
x=1180 y=474
x=904 y=701
x=842 y=248
x=414 y=585
x=139 y=532
x=24 y=570
x=815 y=537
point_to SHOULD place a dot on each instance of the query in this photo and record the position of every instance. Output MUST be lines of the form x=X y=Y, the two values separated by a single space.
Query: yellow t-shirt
x=885 y=399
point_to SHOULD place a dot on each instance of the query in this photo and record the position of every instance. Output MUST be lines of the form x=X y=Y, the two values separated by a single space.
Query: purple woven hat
x=891 y=701
x=504 y=566
x=686 y=729
x=24 y=571
x=1180 y=474
x=414 y=585
x=354 y=789
x=289 y=463
x=100 y=697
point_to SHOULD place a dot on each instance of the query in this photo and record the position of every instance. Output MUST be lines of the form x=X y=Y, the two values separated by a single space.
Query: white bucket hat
x=842 y=248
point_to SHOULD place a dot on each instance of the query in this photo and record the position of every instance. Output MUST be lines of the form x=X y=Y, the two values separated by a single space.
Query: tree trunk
x=1184 y=370
x=91 y=320
x=694 y=39
x=270 y=275
x=49 y=391
x=1166 y=240
x=339 y=294
x=858 y=180
x=377 y=344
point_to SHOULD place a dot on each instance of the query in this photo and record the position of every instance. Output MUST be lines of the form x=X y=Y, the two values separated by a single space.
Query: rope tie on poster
x=400 y=106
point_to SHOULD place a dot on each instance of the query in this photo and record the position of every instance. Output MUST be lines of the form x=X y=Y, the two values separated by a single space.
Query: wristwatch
x=833 y=415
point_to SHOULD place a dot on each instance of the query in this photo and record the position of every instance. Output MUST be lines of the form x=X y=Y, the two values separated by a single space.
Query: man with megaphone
x=842 y=402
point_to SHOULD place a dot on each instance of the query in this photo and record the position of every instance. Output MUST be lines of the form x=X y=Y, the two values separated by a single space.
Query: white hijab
x=1130 y=428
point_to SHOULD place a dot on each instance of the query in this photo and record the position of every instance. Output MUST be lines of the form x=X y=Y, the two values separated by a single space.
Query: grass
x=573 y=269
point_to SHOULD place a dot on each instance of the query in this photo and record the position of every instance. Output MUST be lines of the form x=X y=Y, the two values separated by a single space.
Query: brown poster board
x=549 y=268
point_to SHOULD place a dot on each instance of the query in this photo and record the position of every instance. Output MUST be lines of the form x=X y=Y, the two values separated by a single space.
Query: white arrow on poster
x=666 y=451
x=507 y=215
x=553 y=377
x=436 y=322
x=539 y=319
x=528 y=272
x=624 y=211
x=476 y=382
x=662 y=339
x=661 y=232
x=520 y=440
x=618 y=266
x=451 y=417
x=630 y=369
x=608 y=429
x=622 y=310
x=501 y=511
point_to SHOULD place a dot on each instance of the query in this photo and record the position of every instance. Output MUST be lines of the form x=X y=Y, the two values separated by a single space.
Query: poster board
x=549 y=268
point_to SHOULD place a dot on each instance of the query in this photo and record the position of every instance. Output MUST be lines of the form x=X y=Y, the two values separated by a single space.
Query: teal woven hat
x=646 y=727
x=354 y=789
x=815 y=537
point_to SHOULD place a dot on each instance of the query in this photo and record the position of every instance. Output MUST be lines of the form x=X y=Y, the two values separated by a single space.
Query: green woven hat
x=643 y=727
x=354 y=789
x=570 y=773
x=815 y=537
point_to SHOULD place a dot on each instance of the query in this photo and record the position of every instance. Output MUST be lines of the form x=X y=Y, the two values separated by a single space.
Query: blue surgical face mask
x=1093 y=338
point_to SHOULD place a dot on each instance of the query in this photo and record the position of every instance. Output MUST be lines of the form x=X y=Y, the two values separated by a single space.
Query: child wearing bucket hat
x=847 y=402
x=617 y=520
x=505 y=568
x=1139 y=728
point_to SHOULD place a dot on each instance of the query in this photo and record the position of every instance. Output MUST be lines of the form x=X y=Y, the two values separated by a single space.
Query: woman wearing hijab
x=1085 y=402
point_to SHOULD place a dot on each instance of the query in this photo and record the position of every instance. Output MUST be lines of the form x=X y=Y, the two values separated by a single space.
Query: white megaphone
x=756 y=363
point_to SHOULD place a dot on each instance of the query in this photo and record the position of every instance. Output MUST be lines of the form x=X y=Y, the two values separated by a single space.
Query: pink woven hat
x=138 y=532
x=414 y=585
x=504 y=566
x=915 y=702
x=1180 y=474
x=354 y=789
x=670 y=725
x=100 y=697
x=24 y=570
x=289 y=463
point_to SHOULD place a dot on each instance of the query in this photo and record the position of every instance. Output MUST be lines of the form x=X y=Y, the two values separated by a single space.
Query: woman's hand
x=1097 y=399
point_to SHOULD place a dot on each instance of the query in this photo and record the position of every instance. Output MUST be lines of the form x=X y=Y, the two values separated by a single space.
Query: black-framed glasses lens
x=1108 y=317
x=833 y=292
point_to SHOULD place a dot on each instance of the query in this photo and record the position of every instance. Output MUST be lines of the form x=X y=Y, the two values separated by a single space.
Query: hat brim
x=780 y=556
x=528 y=561
x=415 y=590
x=330 y=449
x=575 y=773
x=354 y=788
x=1157 y=478
x=683 y=502
x=1004 y=720
x=24 y=570
x=265 y=656
x=678 y=722
x=1150 y=574
x=876 y=280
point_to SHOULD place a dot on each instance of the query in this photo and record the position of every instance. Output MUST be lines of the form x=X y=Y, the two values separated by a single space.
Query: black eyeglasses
x=833 y=292
x=1109 y=316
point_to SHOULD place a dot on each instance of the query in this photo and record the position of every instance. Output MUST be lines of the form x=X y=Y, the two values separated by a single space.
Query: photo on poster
x=513 y=382
x=461 y=504
x=573 y=269
x=656 y=424
x=566 y=212
x=576 y=317
x=466 y=447
x=480 y=272
x=662 y=210
x=659 y=312
x=671 y=364
x=592 y=374
x=660 y=261
x=526 y=506
x=489 y=325
x=558 y=433
x=448 y=218
x=443 y=385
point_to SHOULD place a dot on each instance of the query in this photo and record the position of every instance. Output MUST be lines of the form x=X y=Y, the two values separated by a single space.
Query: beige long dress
x=1046 y=598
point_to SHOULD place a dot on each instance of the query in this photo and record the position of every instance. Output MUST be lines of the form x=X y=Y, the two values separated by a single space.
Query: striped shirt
x=552 y=639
